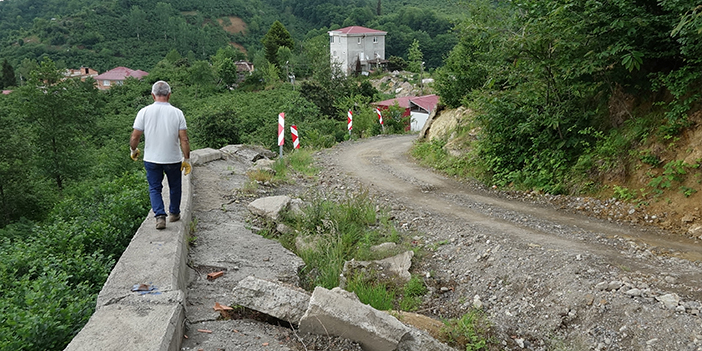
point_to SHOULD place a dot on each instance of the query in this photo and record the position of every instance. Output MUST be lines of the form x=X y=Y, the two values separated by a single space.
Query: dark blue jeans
x=154 y=175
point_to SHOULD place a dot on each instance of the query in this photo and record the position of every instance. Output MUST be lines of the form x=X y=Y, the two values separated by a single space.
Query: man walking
x=165 y=136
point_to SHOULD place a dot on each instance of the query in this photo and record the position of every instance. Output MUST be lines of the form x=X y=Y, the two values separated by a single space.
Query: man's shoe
x=174 y=217
x=161 y=222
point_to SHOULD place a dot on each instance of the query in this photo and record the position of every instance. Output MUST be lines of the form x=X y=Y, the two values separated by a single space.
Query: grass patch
x=299 y=161
x=379 y=295
x=471 y=332
x=338 y=232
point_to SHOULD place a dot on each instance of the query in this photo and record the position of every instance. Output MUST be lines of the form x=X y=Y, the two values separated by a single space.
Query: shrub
x=51 y=272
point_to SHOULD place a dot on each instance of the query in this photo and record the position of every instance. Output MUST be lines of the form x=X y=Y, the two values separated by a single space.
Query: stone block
x=275 y=299
x=330 y=313
x=269 y=207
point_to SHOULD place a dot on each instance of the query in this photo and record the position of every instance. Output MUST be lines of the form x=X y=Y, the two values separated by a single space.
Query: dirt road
x=547 y=279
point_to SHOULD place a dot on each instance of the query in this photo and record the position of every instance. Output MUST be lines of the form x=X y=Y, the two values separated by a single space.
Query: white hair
x=161 y=88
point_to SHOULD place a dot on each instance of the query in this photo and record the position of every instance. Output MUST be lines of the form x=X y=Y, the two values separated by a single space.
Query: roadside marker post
x=380 y=118
x=295 y=138
x=281 y=127
x=350 y=122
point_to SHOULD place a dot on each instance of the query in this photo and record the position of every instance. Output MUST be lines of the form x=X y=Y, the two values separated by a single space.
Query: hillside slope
x=655 y=183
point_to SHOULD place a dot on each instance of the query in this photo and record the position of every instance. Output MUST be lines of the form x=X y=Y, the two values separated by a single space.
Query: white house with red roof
x=418 y=107
x=117 y=76
x=357 y=49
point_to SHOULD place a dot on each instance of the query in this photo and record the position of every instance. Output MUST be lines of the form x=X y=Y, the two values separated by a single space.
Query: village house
x=417 y=107
x=357 y=49
x=82 y=73
x=117 y=76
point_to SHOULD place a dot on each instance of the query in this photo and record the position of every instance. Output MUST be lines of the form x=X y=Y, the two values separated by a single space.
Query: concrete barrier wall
x=146 y=320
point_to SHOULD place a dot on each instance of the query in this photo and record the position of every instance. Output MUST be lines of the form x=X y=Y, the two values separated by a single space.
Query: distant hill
x=138 y=34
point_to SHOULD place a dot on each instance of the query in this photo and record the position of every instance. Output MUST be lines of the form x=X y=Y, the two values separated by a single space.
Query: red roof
x=426 y=102
x=357 y=30
x=401 y=101
x=6 y=92
x=121 y=73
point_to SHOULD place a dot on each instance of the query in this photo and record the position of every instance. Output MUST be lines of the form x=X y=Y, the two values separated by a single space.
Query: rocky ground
x=546 y=275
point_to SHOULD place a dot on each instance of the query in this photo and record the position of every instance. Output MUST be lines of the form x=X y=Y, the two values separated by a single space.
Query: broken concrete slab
x=276 y=299
x=251 y=153
x=400 y=264
x=395 y=268
x=269 y=207
x=263 y=165
x=202 y=156
x=330 y=313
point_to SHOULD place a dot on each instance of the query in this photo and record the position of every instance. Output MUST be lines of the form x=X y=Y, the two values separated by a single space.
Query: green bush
x=51 y=272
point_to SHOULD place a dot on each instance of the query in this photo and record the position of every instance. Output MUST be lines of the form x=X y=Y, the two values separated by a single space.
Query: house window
x=106 y=83
x=331 y=39
x=375 y=40
x=334 y=53
x=359 y=41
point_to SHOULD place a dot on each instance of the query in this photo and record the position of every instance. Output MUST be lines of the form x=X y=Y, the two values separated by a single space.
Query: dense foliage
x=137 y=34
x=540 y=75
x=70 y=204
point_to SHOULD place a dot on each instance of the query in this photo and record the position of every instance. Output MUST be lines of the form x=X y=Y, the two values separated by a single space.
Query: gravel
x=602 y=285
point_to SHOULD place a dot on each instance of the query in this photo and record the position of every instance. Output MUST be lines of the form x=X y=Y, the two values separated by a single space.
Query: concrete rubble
x=333 y=312
x=269 y=207
x=276 y=299
x=391 y=268
x=250 y=153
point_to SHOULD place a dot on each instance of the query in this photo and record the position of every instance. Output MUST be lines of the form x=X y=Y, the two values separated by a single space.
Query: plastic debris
x=144 y=289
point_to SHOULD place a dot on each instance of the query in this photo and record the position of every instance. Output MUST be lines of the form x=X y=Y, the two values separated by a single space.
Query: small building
x=244 y=66
x=6 y=92
x=117 y=76
x=417 y=107
x=357 y=49
x=83 y=73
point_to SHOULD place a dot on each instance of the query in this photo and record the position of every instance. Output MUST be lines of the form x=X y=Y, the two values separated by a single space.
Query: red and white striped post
x=350 y=122
x=295 y=138
x=380 y=118
x=281 y=127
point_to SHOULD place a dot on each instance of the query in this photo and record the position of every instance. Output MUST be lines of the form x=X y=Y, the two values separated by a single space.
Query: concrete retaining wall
x=146 y=320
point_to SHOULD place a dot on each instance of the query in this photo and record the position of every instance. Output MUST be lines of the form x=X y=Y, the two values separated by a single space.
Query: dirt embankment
x=658 y=185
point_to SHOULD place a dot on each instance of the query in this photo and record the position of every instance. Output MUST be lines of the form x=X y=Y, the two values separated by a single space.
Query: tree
x=61 y=113
x=7 y=76
x=202 y=76
x=276 y=37
x=19 y=189
x=378 y=9
x=137 y=20
x=415 y=57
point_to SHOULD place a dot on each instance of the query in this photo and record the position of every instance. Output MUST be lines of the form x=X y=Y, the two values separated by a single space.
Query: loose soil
x=236 y=25
x=547 y=275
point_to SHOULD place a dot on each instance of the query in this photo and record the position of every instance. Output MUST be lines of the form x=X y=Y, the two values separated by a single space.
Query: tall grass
x=339 y=232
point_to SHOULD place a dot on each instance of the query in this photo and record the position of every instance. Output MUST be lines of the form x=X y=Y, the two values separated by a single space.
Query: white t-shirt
x=161 y=124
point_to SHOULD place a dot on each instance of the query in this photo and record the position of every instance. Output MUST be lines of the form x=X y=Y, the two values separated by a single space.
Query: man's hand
x=185 y=166
x=134 y=154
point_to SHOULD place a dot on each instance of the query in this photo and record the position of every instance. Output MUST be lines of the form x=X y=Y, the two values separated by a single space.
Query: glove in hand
x=185 y=166
x=134 y=154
